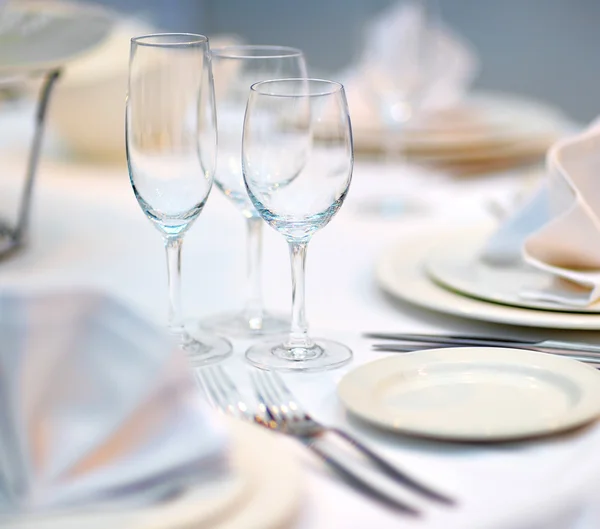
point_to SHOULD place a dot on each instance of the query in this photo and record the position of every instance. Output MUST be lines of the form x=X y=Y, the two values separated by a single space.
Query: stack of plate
x=447 y=275
x=487 y=132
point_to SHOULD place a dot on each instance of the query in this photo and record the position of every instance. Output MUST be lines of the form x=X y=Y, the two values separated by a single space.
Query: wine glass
x=171 y=141
x=235 y=69
x=399 y=69
x=297 y=162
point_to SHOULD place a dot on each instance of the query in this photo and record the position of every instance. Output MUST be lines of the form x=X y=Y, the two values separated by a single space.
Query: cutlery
x=224 y=396
x=409 y=348
x=494 y=341
x=286 y=411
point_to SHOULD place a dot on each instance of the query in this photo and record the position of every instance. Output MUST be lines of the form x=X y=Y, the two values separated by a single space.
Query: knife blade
x=491 y=341
x=409 y=348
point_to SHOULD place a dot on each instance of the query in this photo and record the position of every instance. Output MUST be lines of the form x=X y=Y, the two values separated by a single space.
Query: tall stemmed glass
x=171 y=140
x=297 y=160
x=235 y=69
x=399 y=71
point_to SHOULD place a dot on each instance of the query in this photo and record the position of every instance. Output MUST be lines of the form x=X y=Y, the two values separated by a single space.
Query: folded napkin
x=96 y=407
x=408 y=55
x=558 y=230
x=505 y=246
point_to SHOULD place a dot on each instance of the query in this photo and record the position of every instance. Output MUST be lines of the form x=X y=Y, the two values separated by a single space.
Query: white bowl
x=88 y=106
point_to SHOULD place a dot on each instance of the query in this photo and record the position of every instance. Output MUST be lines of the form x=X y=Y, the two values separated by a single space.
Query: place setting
x=417 y=110
x=535 y=269
x=114 y=415
x=412 y=97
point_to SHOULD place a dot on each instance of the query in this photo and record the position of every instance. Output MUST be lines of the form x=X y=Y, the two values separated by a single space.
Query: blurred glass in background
x=542 y=50
x=545 y=49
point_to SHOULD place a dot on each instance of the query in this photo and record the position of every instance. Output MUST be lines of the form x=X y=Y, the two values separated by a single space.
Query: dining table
x=87 y=230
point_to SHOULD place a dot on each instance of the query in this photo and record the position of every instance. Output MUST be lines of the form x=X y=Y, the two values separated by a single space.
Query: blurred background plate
x=42 y=35
x=483 y=128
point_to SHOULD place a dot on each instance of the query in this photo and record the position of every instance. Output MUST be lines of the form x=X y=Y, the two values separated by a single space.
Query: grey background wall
x=549 y=49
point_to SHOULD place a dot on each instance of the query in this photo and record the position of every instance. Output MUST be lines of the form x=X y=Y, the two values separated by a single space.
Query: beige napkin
x=568 y=245
x=97 y=407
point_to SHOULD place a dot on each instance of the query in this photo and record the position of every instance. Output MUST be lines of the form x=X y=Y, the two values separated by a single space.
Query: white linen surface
x=88 y=230
x=97 y=407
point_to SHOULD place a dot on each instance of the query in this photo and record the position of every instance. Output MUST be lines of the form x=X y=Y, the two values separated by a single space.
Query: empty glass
x=235 y=69
x=297 y=161
x=171 y=141
x=399 y=71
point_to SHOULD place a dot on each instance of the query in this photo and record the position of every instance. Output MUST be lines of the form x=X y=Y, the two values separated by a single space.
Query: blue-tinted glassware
x=171 y=140
x=235 y=70
x=297 y=161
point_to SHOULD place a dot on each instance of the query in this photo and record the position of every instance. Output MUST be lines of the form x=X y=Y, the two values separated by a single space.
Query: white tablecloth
x=87 y=229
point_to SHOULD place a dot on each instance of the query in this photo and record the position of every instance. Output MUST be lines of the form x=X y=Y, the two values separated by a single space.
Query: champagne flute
x=235 y=69
x=171 y=141
x=297 y=162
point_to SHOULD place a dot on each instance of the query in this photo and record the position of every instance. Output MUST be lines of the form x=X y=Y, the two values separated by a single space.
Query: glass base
x=202 y=349
x=238 y=325
x=275 y=355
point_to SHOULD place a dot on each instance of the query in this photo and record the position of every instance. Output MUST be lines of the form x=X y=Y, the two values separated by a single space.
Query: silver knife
x=458 y=339
x=586 y=358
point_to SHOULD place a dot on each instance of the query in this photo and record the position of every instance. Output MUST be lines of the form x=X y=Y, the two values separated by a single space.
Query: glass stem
x=298 y=337
x=175 y=317
x=253 y=311
x=393 y=144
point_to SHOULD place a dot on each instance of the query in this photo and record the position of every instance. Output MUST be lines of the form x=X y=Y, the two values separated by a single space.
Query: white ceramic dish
x=401 y=273
x=267 y=496
x=474 y=393
x=41 y=35
x=93 y=91
x=485 y=126
x=455 y=264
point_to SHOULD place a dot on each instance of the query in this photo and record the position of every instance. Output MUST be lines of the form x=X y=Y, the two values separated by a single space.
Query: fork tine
x=226 y=385
x=293 y=405
x=285 y=401
x=222 y=392
x=264 y=396
x=273 y=395
x=236 y=405
x=210 y=390
x=232 y=393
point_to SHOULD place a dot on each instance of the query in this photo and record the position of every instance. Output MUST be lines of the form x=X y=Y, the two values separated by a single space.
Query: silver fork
x=225 y=397
x=289 y=416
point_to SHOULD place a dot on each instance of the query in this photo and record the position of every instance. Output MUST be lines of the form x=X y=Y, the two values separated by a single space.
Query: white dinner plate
x=456 y=264
x=474 y=393
x=41 y=35
x=485 y=126
x=265 y=495
x=400 y=271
